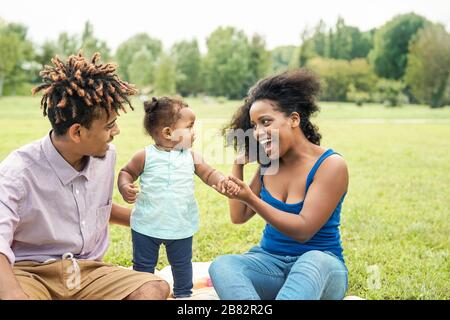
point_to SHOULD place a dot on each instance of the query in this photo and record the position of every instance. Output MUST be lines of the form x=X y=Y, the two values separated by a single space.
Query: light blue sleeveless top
x=328 y=238
x=166 y=207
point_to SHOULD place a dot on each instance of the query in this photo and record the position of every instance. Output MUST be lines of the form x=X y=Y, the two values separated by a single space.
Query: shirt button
x=83 y=222
x=77 y=191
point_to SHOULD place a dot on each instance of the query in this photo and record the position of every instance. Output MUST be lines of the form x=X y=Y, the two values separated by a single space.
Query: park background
x=384 y=107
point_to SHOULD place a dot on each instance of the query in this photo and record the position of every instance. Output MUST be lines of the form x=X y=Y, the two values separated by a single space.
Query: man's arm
x=10 y=288
x=120 y=215
x=10 y=198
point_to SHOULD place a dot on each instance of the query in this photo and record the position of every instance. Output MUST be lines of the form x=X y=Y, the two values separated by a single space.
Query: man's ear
x=74 y=133
x=295 y=119
x=166 y=132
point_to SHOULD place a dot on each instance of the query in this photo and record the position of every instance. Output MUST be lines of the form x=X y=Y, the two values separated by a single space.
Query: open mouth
x=267 y=144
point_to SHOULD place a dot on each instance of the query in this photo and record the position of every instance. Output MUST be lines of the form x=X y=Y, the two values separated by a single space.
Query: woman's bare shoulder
x=332 y=167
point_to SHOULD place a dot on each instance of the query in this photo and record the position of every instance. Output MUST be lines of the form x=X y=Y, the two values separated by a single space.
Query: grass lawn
x=396 y=217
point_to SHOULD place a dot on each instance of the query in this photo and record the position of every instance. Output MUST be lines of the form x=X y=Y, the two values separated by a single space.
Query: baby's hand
x=227 y=187
x=129 y=192
x=232 y=188
x=221 y=185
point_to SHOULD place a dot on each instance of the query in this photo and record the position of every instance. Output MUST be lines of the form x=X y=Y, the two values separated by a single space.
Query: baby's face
x=183 y=130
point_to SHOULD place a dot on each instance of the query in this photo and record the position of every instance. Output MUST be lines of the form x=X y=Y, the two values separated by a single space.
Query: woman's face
x=272 y=128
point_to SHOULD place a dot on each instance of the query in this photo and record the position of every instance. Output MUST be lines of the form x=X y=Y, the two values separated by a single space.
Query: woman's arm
x=329 y=185
x=239 y=211
x=129 y=174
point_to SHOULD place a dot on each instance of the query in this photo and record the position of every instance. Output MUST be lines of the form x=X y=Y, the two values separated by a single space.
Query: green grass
x=396 y=214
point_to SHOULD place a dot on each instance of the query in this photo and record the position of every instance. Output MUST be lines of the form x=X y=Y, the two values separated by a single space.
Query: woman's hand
x=242 y=193
x=226 y=187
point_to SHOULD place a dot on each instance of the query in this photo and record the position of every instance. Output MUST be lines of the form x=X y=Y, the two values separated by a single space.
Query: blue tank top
x=326 y=239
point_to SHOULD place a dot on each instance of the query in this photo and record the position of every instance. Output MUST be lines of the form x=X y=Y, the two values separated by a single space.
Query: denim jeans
x=179 y=254
x=259 y=275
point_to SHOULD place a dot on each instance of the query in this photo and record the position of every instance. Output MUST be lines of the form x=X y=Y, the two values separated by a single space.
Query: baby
x=166 y=211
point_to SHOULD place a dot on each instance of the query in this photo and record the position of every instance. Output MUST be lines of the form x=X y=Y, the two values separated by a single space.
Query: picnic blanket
x=203 y=288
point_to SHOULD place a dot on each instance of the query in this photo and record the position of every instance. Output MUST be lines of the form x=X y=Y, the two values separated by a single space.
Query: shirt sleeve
x=10 y=198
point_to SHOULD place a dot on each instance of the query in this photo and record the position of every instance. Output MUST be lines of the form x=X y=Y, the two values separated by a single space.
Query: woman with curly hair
x=300 y=254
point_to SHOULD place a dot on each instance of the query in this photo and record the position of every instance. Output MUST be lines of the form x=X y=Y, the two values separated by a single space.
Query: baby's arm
x=211 y=176
x=129 y=174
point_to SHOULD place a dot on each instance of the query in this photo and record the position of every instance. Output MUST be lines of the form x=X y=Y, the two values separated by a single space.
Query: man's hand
x=10 y=288
x=19 y=295
x=129 y=192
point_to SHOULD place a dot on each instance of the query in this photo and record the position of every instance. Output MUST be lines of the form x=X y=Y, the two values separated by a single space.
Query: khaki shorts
x=78 y=279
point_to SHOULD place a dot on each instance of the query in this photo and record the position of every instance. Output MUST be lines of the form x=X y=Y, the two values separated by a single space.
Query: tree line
x=405 y=60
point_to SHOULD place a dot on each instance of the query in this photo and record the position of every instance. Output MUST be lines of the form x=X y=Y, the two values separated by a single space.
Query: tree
x=127 y=49
x=90 y=44
x=341 y=41
x=16 y=54
x=362 y=43
x=341 y=77
x=64 y=46
x=46 y=52
x=347 y=42
x=227 y=63
x=306 y=50
x=10 y=55
x=390 y=92
x=165 y=76
x=281 y=57
x=67 y=45
x=428 y=70
x=259 y=60
x=23 y=68
x=320 y=39
x=389 y=55
x=142 y=67
x=188 y=67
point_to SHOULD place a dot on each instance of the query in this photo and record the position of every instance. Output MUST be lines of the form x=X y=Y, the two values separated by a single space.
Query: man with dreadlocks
x=56 y=194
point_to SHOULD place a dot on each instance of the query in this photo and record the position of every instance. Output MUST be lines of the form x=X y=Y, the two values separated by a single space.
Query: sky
x=280 y=22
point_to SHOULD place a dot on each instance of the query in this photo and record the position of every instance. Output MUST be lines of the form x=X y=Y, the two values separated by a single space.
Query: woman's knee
x=223 y=265
x=315 y=255
x=320 y=260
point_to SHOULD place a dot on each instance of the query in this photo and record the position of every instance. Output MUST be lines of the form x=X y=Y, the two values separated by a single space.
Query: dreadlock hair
x=160 y=113
x=292 y=91
x=76 y=91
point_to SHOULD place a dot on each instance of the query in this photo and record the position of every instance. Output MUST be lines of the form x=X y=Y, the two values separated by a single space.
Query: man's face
x=94 y=141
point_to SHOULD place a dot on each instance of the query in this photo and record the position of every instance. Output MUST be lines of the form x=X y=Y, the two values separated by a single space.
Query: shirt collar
x=65 y=172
